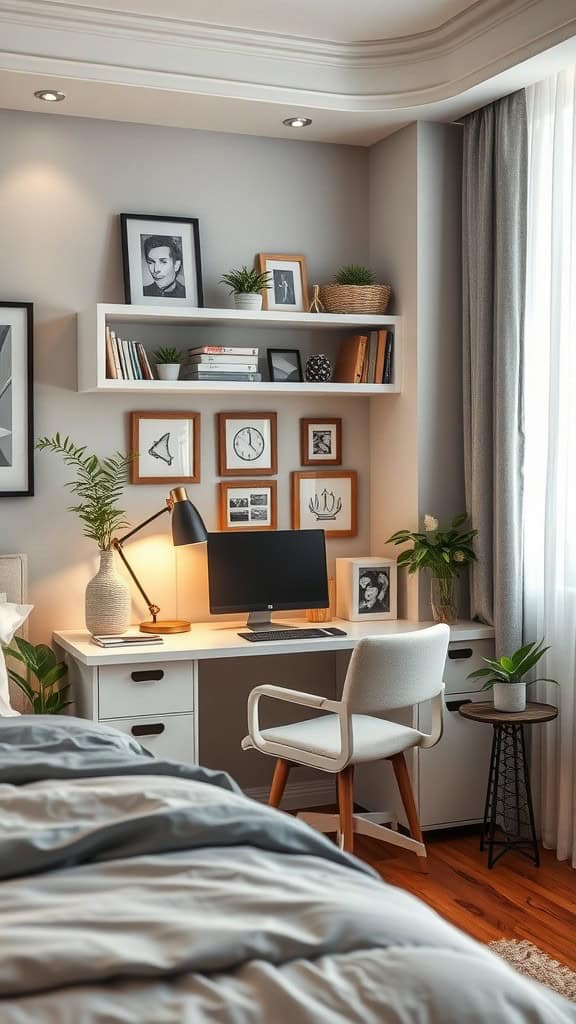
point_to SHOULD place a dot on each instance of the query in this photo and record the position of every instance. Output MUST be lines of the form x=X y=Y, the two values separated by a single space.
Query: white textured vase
x=509 y=696
x=107 y=599
x=168 y=371
x=248 y=300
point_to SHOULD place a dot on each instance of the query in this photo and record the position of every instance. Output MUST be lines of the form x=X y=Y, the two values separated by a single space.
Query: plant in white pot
x=246 y=286
x=506 y=676
x=167 y=363
x=99 y=485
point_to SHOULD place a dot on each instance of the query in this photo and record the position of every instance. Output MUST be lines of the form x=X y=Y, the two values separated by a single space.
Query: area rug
x=528 y=959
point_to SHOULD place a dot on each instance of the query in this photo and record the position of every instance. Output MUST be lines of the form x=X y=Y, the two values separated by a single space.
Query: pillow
x=11 y=618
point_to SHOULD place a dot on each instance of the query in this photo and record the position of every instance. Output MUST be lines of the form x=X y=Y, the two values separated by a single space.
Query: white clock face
x=248 y=444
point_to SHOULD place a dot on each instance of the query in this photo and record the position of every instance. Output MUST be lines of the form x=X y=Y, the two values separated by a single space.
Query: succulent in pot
x=167 y=361
x=355 y=290
x=247 y=285
x=506 y=676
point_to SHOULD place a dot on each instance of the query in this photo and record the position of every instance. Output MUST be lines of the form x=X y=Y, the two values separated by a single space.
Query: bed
x=139 y=890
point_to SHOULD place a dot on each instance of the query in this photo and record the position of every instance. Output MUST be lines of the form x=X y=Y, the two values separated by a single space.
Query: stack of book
x=127 y=640
x=366 y=359
x=221 y=362
x=126 y=360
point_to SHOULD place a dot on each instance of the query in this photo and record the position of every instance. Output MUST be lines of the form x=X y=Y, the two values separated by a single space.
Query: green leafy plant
x=511 y=670
x=99 y=484
x=245 y=281
x=167 y=355
x=354 y=273
x=444 y=552
x=47 y=696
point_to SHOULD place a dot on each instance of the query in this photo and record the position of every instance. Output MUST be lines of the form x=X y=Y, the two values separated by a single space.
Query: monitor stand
x=261 y=620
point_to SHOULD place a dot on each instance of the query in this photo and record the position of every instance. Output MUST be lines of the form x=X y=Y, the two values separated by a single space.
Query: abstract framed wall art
x=161 y=257
x=16 y=400
x=321 y=441
x=366 y=588
x=325 y=500
x=166 y=448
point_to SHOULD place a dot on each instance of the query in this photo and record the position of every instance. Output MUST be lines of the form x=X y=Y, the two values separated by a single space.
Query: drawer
x=464 y=658
x=452 y=776
x=165 y=736
x=159 y=688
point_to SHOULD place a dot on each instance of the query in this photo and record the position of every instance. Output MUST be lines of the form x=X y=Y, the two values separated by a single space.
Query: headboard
x=14 y=578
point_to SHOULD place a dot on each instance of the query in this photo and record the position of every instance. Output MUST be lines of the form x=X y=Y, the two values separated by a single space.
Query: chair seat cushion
x=373 y=738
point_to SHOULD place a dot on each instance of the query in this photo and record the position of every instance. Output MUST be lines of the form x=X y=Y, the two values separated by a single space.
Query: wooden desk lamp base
x=166 y=626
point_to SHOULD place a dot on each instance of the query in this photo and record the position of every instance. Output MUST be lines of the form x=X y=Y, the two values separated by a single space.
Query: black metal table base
x=508 y=814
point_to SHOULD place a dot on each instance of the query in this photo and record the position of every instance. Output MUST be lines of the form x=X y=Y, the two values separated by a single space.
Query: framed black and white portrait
x=161 y=257
x=288 y=288
x=16 y=400
x=165 y=448
x=248 y=505
x=321 y=442
x=284 y=365
x=247 y=443
x=366 y=588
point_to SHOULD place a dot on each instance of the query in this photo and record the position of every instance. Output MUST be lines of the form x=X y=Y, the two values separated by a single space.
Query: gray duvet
x=136 y=890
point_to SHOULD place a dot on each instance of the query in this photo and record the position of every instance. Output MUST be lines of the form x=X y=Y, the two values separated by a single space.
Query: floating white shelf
x=92 y=348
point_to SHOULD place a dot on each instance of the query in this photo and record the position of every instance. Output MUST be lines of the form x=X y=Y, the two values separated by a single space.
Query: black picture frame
x=28 y=491
x=196 y=270
x=273 y=373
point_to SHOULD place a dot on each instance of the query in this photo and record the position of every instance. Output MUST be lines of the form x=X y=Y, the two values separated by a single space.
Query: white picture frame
x=366 y=589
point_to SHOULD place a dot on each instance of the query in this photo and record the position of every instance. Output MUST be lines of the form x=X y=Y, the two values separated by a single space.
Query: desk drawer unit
x=156 y=688
x=462 y=659
x=165 y=736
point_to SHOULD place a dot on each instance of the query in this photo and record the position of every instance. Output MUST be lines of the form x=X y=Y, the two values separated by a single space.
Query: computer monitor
x=266 y=571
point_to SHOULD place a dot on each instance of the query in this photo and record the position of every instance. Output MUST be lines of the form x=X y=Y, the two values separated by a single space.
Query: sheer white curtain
x=550 y=445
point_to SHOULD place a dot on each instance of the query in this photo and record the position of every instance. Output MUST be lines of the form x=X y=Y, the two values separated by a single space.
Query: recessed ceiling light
x=297 y=122
x=50 y=95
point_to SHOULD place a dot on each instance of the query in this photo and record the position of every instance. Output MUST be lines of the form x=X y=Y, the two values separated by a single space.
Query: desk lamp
x=187 y=528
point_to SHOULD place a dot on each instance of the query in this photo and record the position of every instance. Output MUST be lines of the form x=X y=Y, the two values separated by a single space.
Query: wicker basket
x=355 y=298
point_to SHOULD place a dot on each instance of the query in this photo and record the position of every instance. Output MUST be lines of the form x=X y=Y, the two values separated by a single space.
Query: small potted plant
x=506 y=676
x=47 y=695
x=167 y=361
x=444 y=553
x=246 y=286
x=355 y=290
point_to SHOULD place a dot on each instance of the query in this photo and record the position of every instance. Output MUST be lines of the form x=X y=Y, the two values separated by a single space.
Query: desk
x=153 y=692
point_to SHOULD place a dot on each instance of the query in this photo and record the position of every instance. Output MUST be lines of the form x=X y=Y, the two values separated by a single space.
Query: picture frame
x=325 y=499
x=166 y=447
x=247 y=443
x=321 y=441
x=288 y=291
x=248 y=505
x=284 y=365
x=366 y=588
x=161 y=274
x=16 y=400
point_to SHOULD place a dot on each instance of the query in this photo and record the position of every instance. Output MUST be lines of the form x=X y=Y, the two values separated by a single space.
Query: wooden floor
x=512 y=901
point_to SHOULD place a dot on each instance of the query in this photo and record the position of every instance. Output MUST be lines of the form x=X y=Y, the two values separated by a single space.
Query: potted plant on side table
x=506 y=676
x=167 y=363
x=247 y=286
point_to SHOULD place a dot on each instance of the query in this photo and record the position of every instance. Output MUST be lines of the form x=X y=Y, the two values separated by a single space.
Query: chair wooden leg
x=345 y=780
x=279 y=781
x=404 y=785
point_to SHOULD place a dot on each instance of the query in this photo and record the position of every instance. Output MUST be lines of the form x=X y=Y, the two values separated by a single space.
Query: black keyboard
x=285 y=634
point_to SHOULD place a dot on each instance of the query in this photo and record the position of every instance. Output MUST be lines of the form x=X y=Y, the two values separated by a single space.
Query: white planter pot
x=509 y=696
x=108 y=600
x=168 y=371
x=248 y=300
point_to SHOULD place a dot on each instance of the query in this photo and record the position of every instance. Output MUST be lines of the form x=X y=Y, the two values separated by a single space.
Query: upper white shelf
x=92 y=348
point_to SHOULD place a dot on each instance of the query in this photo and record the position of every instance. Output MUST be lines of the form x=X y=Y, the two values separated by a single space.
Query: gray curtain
x=494 y=264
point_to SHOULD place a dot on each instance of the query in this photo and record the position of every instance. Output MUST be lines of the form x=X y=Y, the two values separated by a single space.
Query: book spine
x=379 y=369
x=144 y=364
x=110 y=364
x=116 y=355
x=360 y=359
x=126 y=357
x=222 y=350
x=120 y=350
x=138 y=375
x=225 y=376
x=204 y=359
x=223 y=367
x=389 y=359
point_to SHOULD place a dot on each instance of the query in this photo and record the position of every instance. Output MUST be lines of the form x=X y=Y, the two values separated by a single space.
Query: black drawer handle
x=453 y=705
x=150 y=676
x=156 y=729
x=460 y=652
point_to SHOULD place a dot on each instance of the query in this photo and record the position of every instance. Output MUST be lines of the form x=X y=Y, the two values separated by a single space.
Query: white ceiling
x=319 y=19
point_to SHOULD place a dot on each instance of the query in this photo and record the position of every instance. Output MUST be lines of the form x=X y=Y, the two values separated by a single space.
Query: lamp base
x=166 y=626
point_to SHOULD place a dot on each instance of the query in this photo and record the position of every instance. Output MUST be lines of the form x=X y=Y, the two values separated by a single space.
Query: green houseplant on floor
x=506 y=676
x=46 y=695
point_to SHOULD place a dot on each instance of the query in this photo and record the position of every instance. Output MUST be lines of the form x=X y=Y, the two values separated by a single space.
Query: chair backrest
x=397 y=671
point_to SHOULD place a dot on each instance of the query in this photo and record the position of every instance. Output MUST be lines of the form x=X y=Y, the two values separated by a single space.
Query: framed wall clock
x=247 y=444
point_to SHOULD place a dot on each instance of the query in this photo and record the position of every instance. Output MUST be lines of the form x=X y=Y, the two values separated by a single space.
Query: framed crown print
x=166 y=448
x=248 y=505
x=16 y=401
x=325 y=500
x=247 y=444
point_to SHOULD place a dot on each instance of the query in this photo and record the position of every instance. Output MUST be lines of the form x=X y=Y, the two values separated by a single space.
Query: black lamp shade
x=187 y=524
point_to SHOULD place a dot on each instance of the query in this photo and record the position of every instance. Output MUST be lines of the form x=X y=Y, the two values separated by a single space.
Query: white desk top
x=220 y=640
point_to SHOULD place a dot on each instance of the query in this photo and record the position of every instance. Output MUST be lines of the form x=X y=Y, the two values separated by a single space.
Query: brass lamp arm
x=117 y=545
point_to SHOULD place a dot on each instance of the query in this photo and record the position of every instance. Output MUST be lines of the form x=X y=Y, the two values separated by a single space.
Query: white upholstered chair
x=385 y=673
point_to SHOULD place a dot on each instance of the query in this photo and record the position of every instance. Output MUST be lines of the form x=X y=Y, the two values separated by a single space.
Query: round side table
x=508 y=814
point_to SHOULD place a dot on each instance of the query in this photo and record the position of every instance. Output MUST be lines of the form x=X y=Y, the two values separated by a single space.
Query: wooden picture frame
x=324 y=450
x=247 y=439
x=160 y=448
x=182 y=236
x=282 y=374
x=316 y=507
x=288 y=291
x=16 y=400
x=249 y=515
